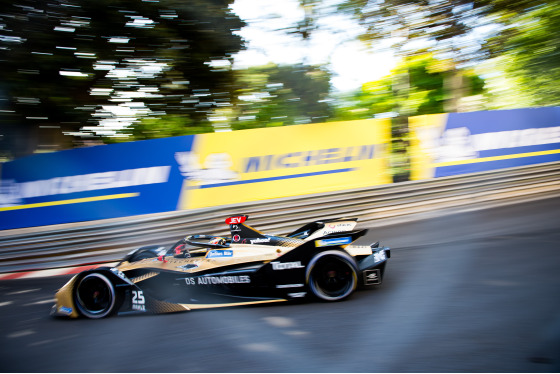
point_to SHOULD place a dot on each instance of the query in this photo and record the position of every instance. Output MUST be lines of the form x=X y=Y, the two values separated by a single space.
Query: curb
x=52 y=272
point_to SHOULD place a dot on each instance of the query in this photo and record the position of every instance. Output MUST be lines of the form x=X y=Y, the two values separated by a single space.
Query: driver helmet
x=181 y=251
x=217 y=240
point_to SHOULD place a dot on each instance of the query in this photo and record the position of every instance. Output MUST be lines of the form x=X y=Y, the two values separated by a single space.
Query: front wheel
x=95 y=296
x=332 y=275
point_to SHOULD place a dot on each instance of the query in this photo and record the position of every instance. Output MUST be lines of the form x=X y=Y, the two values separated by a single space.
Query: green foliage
x=425 y=92
x=275 y=95
x=530 y=49
x=526 y=30
x=149 y=69
x=152 y=128
x=151 y=59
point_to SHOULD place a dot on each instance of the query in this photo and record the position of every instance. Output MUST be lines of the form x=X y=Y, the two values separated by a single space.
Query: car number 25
x=138 y=300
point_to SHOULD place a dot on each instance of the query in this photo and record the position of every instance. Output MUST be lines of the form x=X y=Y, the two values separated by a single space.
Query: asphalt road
x=472 y=292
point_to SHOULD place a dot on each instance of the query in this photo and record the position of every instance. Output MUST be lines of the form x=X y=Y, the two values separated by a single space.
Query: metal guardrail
x=108 y=240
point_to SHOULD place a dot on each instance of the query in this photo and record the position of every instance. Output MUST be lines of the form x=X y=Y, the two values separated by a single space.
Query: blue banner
x=460 y=143
x=92 y=183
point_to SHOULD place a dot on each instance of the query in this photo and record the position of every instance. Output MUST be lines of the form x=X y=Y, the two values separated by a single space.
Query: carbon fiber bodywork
x=249 y=268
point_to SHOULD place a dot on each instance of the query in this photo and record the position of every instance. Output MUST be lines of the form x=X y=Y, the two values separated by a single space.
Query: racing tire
x=95 y=296
x=332 y=275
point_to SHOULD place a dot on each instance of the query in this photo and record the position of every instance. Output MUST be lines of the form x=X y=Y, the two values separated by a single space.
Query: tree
x=527 y=49
x=452 y=29
x=426 y=93
x=109 y=63
x=282 y=95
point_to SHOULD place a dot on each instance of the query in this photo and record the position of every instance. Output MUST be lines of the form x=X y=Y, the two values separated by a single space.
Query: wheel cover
x=332 y=276
x=95 y=296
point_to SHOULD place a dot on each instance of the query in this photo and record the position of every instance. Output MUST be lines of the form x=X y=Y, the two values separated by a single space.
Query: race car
x=316 y=261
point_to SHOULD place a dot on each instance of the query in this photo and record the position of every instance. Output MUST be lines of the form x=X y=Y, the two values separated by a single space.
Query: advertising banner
x=187 y=172
x=251 y=165
x=92 y=183
x=460 y=143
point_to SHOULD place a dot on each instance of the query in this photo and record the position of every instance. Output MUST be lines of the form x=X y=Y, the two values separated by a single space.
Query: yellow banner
x=250 y=165
x=424 y=131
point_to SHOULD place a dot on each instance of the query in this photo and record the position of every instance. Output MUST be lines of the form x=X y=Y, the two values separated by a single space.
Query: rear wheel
x=332 y=276
x=95 y=296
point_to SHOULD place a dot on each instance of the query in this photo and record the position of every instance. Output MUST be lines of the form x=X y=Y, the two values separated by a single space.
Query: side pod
x=289 y=274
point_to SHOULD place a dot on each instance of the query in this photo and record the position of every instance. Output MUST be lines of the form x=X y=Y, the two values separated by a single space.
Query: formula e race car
x=201 y=271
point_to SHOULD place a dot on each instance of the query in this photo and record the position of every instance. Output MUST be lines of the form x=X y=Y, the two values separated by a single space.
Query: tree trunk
x=454 y=88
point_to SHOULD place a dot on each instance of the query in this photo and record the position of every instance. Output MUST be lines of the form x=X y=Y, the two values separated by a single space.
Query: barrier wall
x=188 y=172
x=207 y=170
x=460 y=143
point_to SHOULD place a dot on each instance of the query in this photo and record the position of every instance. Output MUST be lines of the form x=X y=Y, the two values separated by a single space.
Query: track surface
x=472 y=292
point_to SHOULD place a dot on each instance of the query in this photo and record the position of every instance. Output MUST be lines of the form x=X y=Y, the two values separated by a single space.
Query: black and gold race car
x=201 y=271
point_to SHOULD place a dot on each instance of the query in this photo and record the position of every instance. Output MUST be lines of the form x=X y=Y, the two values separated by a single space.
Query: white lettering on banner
x=9 y=193
x=516 y=138
x=459 y=144
x=12 y=192
x=456 y=144
x=217 y=167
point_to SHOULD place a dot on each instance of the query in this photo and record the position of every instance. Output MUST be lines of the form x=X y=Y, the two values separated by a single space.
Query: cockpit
x=197 y=245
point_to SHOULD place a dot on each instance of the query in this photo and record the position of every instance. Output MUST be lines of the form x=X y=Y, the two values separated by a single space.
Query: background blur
x=77 y=73
x=381 y=91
